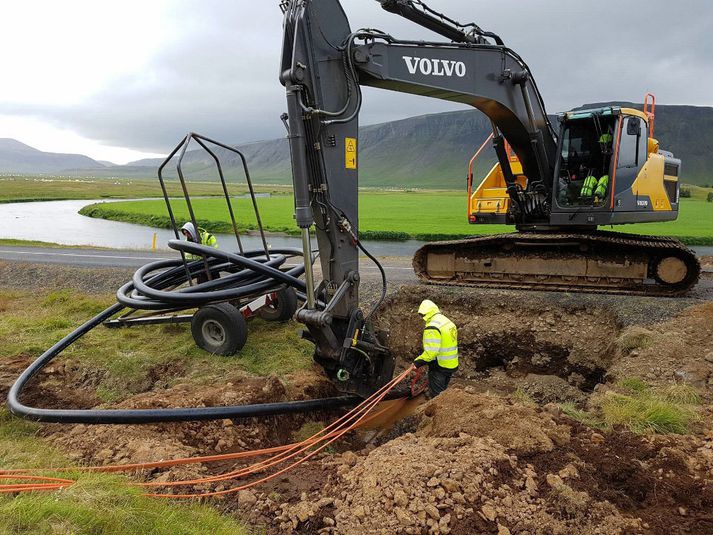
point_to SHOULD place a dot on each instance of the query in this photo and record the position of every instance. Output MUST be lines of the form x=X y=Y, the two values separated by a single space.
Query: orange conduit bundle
x=41 y=483
x=356 y=417
x=343 y=425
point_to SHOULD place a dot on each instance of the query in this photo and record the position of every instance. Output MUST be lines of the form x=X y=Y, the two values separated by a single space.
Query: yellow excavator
x=555 y=184
x=609 y=170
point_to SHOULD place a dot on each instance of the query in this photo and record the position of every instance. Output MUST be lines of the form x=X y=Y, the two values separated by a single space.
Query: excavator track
x=597 y=262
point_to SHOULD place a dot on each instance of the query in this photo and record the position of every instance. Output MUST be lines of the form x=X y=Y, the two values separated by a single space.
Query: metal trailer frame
x=248 y=307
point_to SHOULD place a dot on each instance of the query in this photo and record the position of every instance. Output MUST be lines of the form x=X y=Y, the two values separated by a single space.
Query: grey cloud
x=218 y=75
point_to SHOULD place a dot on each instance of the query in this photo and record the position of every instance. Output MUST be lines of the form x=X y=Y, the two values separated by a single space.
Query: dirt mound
x=521 y=429
x=476 y=473
x=679 y=350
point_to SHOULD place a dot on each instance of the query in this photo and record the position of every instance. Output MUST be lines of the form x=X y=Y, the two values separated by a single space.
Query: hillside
x=687 y=131
x=16 y=157
x=434 y=150
x=429 y=151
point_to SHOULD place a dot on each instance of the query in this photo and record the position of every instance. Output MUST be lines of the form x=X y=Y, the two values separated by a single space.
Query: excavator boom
x=324 y=65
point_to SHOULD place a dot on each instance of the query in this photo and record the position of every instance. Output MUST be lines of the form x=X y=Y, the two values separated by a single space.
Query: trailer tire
x=219 y=329
x=282 y=309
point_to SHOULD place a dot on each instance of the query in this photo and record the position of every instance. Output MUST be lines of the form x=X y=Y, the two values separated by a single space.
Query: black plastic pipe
x=145 y=416
x=147 y=292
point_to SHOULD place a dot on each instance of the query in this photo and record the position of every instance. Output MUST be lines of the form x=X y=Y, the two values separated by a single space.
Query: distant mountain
x=16 y=157
x=429 y=151
x=433 y=151
x=425 y=151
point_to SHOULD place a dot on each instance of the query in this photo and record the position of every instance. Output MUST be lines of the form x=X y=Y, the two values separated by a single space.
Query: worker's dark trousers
x=438 y=378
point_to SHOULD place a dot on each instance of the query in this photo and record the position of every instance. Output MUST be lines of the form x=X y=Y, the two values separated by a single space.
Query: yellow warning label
x=350 y=153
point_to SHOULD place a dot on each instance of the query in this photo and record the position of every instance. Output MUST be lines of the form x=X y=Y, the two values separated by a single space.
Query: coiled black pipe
x=150 y=289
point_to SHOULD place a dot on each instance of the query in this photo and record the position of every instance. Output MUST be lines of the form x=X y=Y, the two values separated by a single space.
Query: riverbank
x=56 y=188
x=393 y=216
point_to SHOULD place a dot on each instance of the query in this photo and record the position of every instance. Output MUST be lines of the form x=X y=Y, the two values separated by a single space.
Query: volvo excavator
x=554 y=184
x=599 y=167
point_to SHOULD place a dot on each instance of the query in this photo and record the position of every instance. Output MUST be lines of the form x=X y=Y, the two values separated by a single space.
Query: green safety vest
x=588 y=187
x=206 y=239
x=605 y=138
x=440 y=342
x=602 y=186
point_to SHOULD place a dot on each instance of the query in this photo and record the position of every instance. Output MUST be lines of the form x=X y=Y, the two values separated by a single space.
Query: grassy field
x=98 y=504
x=423 y=215
x=121 y=360
x=18 y=189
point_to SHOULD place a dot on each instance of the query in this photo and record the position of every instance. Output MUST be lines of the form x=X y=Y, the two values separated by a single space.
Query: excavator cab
x=610 y=170
x=586 y=158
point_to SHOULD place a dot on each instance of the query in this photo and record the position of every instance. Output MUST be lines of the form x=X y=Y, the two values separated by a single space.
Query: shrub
x=710 y=196
x=685 y=193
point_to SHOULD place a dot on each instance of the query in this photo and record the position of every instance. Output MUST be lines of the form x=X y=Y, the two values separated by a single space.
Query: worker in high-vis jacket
x=202 y=236
x=440 y=347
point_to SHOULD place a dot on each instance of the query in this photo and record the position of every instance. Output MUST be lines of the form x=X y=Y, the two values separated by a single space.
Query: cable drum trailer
x=219 y=327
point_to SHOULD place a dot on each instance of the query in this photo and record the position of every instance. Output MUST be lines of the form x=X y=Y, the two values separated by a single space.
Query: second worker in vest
x=202 y=236
x=440 y=347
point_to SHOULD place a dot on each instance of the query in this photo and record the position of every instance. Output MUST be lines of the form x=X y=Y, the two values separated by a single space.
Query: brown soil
x=53 y=387
x=679 y=350
x=456 y=476
x=101 y=444
x=552 y=352
x=472 y=461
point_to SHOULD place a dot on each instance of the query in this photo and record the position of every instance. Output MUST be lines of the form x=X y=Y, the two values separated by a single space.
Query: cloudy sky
x=126 y=79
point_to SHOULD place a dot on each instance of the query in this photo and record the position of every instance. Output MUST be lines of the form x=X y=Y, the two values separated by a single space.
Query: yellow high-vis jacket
x=440 y=341
x=206 y=239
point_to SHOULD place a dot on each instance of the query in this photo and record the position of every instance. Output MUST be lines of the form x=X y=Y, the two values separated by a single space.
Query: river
x=60 y=222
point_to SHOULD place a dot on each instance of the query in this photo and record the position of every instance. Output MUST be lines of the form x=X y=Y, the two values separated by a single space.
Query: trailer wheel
x=219 y=329
x=282 y=309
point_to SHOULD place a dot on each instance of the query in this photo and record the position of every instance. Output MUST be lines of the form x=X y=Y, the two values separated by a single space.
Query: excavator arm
x=324 y=64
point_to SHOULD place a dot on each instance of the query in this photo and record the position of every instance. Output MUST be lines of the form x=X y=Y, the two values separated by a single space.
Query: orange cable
x=284 y=453
x=370 y=402
x=256 y=467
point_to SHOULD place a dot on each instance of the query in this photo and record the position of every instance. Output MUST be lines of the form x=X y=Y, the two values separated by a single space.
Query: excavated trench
x=551 y=350
x=554 y=352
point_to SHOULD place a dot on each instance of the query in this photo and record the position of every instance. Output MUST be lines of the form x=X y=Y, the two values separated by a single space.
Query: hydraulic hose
x=155 y=286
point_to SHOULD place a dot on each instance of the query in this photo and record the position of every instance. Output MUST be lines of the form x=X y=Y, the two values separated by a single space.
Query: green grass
x=592 y=420
x=36 y=243
x=26 y=189
x=117 y=363
x=98 y=504
x=522 y=397
x=121 y=361
x=635 y=405
x=423 y=215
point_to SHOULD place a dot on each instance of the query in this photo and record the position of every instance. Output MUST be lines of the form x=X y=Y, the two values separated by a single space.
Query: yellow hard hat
x=427 y=306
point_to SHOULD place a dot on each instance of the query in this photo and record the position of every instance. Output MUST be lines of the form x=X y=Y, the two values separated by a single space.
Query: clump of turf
x=635 y=405
x=634 y=337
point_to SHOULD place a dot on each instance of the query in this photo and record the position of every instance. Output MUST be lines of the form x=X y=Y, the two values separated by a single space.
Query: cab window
x=632 y=149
